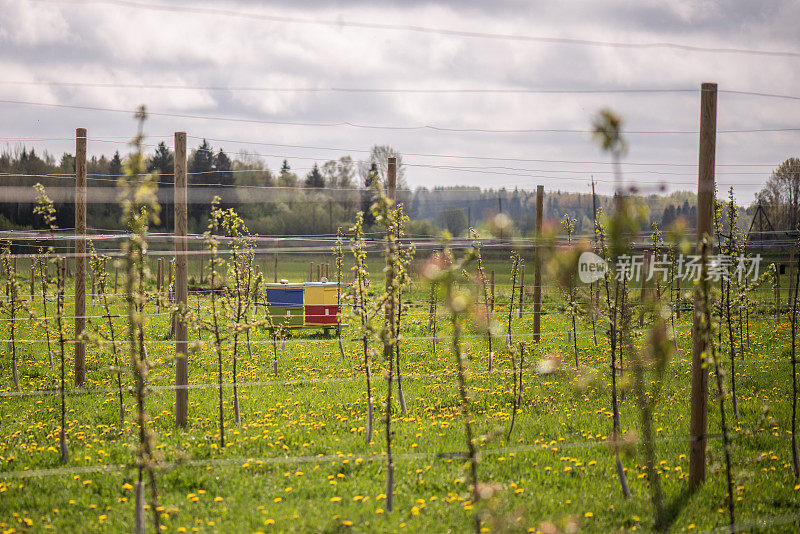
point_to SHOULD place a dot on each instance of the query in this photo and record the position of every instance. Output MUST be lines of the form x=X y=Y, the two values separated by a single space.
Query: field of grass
x=299 y=460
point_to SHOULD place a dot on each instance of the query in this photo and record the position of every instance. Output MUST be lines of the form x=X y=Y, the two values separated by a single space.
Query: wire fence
x=570 y=171
x=553 y=445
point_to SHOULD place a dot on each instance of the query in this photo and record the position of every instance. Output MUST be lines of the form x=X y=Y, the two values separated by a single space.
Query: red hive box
x=322 y=314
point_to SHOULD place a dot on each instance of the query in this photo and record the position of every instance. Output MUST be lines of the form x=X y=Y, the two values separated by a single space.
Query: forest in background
x=329 y=194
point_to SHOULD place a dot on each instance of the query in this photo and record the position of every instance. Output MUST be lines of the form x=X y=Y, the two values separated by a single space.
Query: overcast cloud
x=107 y=43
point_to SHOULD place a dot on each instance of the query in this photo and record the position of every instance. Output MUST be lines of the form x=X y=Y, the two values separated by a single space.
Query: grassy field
x=299 y=460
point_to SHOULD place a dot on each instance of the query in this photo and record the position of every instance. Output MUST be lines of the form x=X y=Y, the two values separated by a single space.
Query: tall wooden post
x=181 y=285
x=80 y=254
x=778 y=267
x=276 y=269
x=791 y=280
x=537 y=266
x=698 y=422
x=521 y=289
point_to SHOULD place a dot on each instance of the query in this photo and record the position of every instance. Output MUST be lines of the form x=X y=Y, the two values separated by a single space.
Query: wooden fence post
x=181 y=284
x=521 y=289
x=792 y=267
x=80 y=255
x=698 y=422
x=537 y=266
x=778 y=268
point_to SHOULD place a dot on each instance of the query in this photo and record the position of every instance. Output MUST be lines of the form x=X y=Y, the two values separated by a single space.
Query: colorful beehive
x=285 y=304
x=320 y=300
x=310 y=304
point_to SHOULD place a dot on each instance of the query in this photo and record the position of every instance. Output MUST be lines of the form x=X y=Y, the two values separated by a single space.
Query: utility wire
x=340 y=23
x=350 y=124
x=393 y=90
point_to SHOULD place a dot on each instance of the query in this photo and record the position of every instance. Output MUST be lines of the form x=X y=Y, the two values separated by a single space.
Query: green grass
x=556 y=467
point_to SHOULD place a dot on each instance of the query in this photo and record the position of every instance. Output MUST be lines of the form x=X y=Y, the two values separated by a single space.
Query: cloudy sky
x=263 y=75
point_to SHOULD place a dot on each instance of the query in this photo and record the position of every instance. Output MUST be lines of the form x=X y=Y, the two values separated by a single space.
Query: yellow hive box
x=320 y=294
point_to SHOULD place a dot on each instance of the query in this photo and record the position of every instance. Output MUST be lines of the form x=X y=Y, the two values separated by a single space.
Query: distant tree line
x=779 y=200
x=328 y=195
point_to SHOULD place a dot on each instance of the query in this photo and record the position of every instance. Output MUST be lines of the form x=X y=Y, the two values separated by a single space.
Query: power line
x=379 y=90
x=350 y=124
x=391 y=90
x=339 y=23
x=756 y=93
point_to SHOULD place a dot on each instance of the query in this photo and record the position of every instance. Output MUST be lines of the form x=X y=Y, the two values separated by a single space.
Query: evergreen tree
x=287 y=178
x=115 y=166
x=201 y=162
x=222 y=166
x=163 y=161
x=669 y=216
x=201 y=165
x=314 y=178
x=67 y=164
